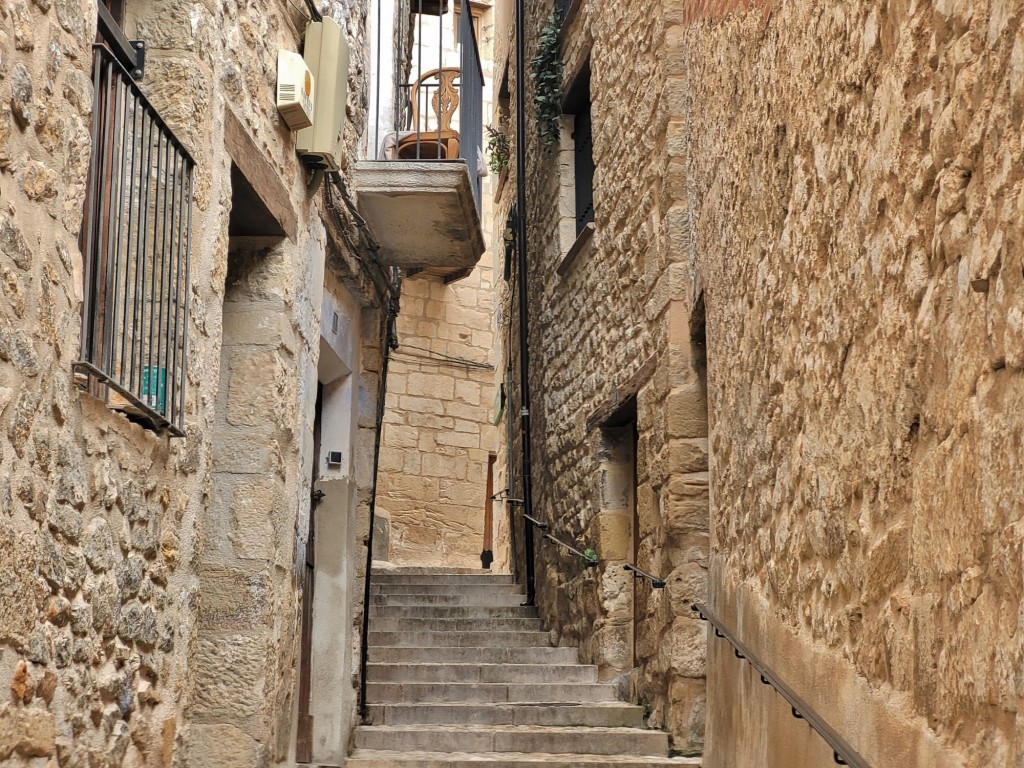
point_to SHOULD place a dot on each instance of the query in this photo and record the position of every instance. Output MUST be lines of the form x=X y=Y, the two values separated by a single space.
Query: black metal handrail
x=589 y=560
x=535 y=522
x=640 y=573
x=842 y=752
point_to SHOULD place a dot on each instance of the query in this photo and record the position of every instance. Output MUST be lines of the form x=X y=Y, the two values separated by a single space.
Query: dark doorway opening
x=304 y=736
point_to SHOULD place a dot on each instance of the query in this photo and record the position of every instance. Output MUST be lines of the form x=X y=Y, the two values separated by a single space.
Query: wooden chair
x=440 y=142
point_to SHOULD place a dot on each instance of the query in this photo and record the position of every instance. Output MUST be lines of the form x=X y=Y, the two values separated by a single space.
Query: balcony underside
x=423 y=214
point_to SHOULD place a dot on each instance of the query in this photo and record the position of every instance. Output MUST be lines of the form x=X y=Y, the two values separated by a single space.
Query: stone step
x=514 y=738
x=481 y=673
x=472 y=655
x=518 y=624
x=485 y=590
x=450 y=639
x=608 y=714
x=450 y=612
x=429 y=570
x=408 y=693
x=369 y=758
x=499 y=600
x=455 y=581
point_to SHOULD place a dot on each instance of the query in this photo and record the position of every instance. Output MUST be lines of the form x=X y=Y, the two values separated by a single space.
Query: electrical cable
x=448 y=358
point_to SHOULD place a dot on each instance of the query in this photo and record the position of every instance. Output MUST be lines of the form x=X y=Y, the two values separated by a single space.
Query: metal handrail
x=639 y=573
x=535 y=522
x=842 y=752
x=589 y=560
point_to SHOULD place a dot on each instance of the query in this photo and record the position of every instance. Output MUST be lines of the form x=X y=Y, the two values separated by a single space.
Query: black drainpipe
x=390 y=339
x=524 y=348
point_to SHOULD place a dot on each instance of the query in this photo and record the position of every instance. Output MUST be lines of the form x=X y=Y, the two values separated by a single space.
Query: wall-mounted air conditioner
x=295 y=96
x=326 y=54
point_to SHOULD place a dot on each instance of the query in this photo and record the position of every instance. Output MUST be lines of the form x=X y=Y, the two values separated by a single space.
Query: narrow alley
x=438 y=383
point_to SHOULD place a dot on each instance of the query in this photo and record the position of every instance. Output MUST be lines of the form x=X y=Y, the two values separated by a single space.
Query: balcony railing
x=136 y=247
x=438 y=113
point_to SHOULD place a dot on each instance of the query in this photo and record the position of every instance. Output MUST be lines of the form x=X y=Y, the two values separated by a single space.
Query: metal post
x=390 y=341
x=524 y=349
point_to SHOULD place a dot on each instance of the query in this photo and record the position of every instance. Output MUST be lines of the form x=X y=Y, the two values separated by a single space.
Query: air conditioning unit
x=295 y=98
x=326 y=54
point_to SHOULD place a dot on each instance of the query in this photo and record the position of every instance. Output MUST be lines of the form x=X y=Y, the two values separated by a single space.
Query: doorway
x=304 y=736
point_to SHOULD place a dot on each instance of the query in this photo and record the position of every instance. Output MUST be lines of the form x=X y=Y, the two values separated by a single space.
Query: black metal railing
x=842 y=752
x=438 y=113
x=589 y=560
x=642 y=574
x=471 y=122
x=136 y=245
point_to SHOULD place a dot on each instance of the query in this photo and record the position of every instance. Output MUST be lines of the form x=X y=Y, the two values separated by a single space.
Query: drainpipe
x=524 y=346
x=390 y=339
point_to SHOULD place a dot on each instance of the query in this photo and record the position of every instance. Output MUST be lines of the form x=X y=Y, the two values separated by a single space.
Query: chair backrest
x=445 y=99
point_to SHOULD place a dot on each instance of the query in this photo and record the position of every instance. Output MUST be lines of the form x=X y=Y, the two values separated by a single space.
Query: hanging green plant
x=547 y=83
x=498 y=150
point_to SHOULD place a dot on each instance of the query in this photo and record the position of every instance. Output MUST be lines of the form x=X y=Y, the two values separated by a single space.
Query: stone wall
x=437 y=428
x=856 y=221
x=618 y=407
x=152 y=583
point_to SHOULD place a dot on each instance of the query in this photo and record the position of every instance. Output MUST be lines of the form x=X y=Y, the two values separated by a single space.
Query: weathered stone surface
x=23 y=686
x=58 y=611
x=47 y=686
x=129 y=576
x=18 y=588
x=38 y=181
x=222 y=745
x=26 y=732
x=22 y=104
x=234 y=599
x=137 y=622
x=231 y=679
x=99 y=546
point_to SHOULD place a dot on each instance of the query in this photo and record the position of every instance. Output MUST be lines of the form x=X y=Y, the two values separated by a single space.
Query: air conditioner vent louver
x=294 y=90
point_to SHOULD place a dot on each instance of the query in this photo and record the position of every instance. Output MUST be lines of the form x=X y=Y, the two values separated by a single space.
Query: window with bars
x=583 y=141
x=136 y=247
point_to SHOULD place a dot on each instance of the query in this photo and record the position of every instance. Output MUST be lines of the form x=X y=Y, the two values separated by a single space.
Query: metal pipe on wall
x=390 y=342
x=521 y=242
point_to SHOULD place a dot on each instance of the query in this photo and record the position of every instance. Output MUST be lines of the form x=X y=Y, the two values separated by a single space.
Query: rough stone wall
x=609 y=323
x=854 y=173
x=438 y=430
x=111 y=535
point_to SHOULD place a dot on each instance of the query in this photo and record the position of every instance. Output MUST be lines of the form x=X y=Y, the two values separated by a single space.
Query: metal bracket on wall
x=131 y=53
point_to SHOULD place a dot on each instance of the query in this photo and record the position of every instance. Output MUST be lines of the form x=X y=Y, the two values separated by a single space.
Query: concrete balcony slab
x=422 y=213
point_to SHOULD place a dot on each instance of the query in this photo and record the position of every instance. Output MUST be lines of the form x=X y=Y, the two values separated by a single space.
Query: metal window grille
x=136 y=245
x=472 y=117
x=583 y=138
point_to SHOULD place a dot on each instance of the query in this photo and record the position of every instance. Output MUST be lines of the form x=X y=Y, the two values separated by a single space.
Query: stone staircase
x=461 y=675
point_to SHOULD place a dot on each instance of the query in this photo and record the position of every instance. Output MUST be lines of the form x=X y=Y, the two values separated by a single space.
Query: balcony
x=420 y=187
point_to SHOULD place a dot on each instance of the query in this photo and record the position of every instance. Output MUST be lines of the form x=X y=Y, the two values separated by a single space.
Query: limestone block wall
x=438 y=430
x=152 y=583
x=618 y=410
x=853 y=197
